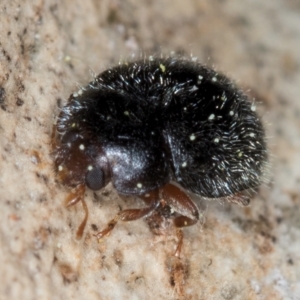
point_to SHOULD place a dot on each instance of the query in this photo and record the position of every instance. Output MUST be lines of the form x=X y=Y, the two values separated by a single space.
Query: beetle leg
x=74 y=197
x=183 y=205
x=151 y=199
x=53 y=137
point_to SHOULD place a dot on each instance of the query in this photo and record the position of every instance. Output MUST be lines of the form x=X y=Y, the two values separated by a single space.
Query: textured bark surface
x=47 y=49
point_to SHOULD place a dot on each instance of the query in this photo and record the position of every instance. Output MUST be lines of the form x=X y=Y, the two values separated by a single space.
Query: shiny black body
x=143 y=124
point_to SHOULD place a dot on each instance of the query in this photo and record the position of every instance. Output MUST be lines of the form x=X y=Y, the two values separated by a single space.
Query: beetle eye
x=94 y=179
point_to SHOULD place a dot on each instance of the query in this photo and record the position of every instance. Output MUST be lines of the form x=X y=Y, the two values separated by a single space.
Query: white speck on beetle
x=139 y=185
x=80 y=92
x=211 y=117
x=240 y=153
x=216 y=140
x=81 y=147
x=75 y=95
x=184 y=164
x=252 y=134
x=214 y=79
x=162 y=67
x=231 y=113
x=60 y=168
x=90 y=168
x=126 y=113
x=192 y=137
x=253 y=107
x=199 y=79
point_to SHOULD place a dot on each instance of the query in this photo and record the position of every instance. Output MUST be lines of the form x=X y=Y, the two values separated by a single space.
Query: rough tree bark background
x=234 y=253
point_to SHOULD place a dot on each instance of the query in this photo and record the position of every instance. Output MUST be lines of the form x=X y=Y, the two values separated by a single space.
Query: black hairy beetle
x=143 y=125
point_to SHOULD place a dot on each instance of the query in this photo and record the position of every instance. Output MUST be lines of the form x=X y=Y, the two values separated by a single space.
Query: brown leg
x=73 y=198
x=183 y=205
x=150 y=198
x=53 y=137
x=179 y=234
